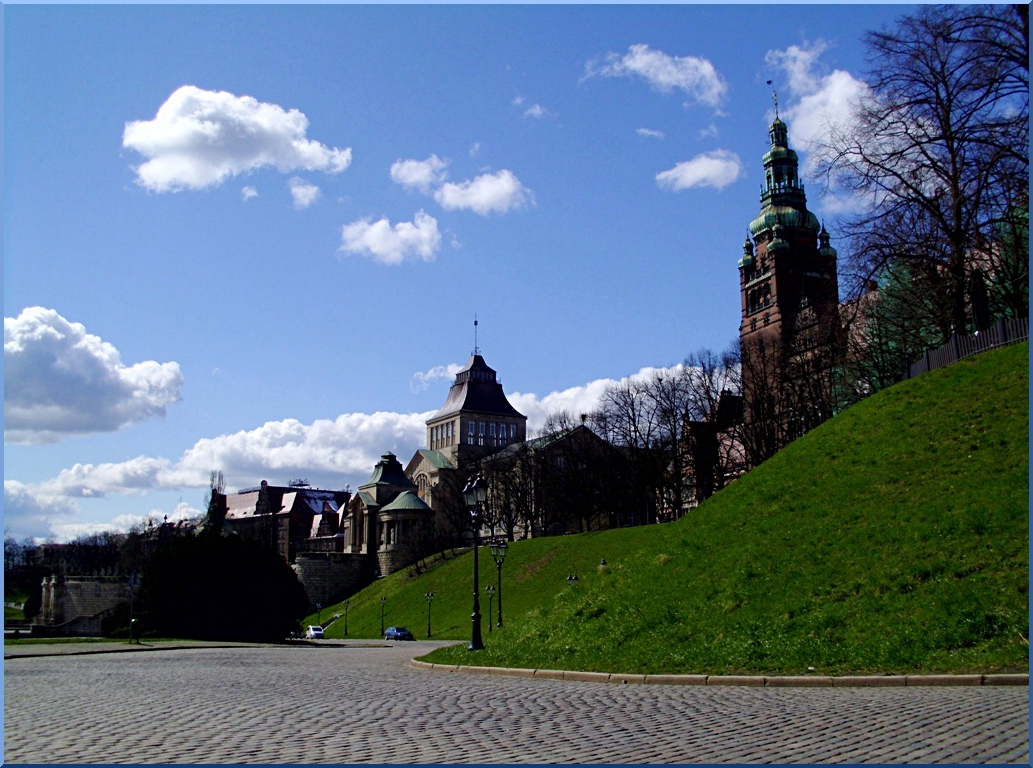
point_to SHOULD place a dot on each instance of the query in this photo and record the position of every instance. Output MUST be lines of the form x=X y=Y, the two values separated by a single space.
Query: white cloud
x=351 y=444
x=27 y=513
x=475 y=149
x=518 y=101
x=60 y=381
x=694 y=76
x=537 y=111
x=303 y=193
x=422 y=380
x=575 y=400
x=715 y=169
x=419 y=239
x=821 y=100
x=650 y=133
x=489 y=193
x=200 y=138
x=248 y=193
x=421 y=175
x=336 y=451
x=33 y=512
x=710 y=132
x=135 y=476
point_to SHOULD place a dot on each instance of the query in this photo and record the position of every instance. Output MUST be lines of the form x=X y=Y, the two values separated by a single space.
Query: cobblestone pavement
x=354 y=703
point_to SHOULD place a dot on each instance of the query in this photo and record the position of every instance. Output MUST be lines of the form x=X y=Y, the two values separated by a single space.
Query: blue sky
x=254 y=239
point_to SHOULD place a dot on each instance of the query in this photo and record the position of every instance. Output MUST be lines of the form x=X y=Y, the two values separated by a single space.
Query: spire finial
x=774 y=98
x=476 y=349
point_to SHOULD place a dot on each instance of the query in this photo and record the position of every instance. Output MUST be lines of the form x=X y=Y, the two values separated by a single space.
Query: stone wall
x=329 y=577
x=75 y=605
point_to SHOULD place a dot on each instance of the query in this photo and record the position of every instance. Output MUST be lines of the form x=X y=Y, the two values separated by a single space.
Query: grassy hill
x=894 y=538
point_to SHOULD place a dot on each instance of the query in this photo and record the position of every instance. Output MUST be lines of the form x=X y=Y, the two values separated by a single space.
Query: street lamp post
x=319 y=614
x=346 y=618
x=491 y=593
x=133 y=581
x=474 y=494
x=382 y=601
x=499 y=548
x=430 y=597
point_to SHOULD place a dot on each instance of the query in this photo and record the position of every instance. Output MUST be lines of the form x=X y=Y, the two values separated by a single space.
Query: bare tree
x=938 y=148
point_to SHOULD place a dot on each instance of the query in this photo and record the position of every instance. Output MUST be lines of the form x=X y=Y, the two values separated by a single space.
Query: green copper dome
x=782 y=197
x=789 y=217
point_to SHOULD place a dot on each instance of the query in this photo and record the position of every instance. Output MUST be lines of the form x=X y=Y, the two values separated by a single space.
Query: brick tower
x=790 y=300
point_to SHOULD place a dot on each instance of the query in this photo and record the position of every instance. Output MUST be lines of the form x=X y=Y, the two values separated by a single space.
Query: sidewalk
x=769 y=681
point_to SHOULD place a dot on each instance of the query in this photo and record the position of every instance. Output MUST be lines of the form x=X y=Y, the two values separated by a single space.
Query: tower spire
x=476 y=349
x=774 y=98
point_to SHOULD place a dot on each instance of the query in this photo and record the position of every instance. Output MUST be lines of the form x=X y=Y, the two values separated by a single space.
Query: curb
x=756 y=681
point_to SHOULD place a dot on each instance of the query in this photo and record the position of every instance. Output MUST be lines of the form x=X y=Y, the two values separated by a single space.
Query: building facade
x=476 y=421
x=790 y=334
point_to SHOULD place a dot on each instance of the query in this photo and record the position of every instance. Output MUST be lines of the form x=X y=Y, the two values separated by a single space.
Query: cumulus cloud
x=820 y=100
x=575 y=400
x=135 y=476
x=336 y=451
x=422 y=380
x=536 y=111
x=125 y=523
x=715 y=169
x=346 y=446
x=421 y=175
x=33 y=512
x=60 y=381
x=387 y=244
x=303 y=193
x=695 y=77
x=200 y=138
x=650 y=133
x=248 y=193
x=489 y=193
x=28 y=513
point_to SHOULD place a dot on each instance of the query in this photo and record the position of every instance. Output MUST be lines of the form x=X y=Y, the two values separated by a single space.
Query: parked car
x=398 y=633
x=314 y=633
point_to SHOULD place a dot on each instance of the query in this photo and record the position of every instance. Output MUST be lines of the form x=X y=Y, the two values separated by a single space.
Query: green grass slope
x=894 y=538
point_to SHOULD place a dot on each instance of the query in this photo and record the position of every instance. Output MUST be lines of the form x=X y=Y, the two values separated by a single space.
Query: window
x=491 y=429
x=480 y=430
x=512 y=431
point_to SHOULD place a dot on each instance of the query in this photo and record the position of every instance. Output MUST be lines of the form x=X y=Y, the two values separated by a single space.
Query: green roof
x=436 y=459
x=407 y=500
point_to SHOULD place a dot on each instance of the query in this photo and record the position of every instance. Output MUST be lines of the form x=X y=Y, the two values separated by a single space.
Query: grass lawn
x=894 y=538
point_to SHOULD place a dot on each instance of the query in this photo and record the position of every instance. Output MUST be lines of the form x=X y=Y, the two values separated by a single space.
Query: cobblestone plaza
x=362 y=702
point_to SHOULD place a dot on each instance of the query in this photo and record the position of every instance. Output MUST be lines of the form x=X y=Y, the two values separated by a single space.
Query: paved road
x=339 y=703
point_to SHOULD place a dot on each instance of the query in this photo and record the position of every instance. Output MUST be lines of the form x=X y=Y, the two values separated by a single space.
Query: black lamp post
x=346 y=618
x=499 y=548
x=382 y=601
x=491 y=593
x=133 y=581
x=474 y=494
x=430 y=597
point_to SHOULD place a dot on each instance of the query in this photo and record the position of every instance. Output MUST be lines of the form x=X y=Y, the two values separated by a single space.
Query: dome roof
x=406 y=500
x=787 y=216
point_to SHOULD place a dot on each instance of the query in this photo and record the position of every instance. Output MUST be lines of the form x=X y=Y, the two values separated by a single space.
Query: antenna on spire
x=476 y=350
x=774 y=98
